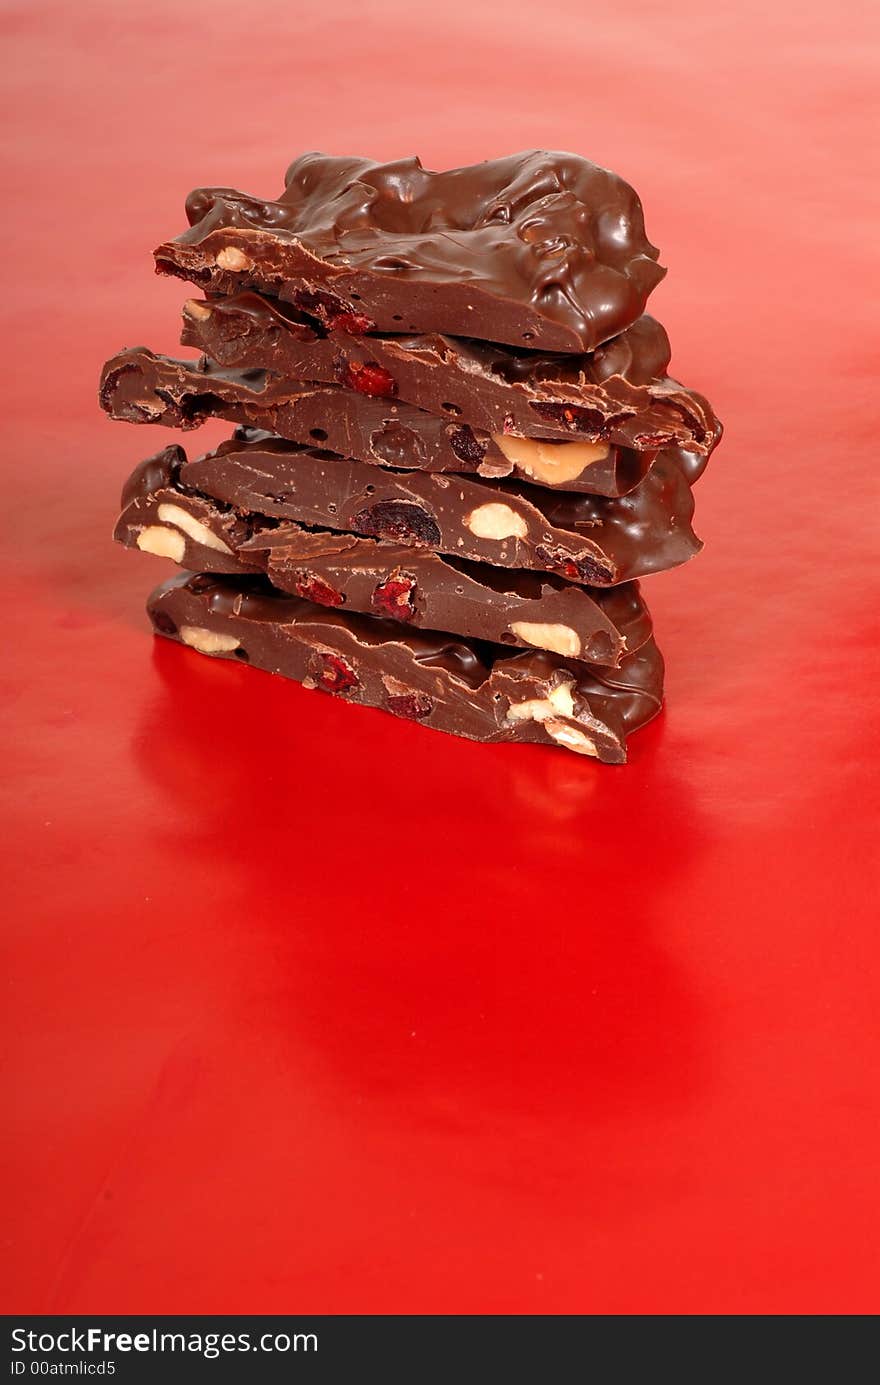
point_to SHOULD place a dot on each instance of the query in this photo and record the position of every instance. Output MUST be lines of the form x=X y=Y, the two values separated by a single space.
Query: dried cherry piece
x=311 y=587
x=583 y=569
x=414 y=705
x=355 y=324
x=369 y=378
x=395 y=597
x=335 y=674
x=466 y=446
x=401 y=520
x=589 y=571
x=575 y=417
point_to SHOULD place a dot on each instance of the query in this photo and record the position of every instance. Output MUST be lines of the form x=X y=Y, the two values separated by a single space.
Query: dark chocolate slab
x=589 y=539
x=413 y=585
x=137 y=386
x=540 y=249
x=465 y=687
x=619 y=393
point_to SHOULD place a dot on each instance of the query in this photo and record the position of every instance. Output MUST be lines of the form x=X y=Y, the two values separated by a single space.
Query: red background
x=313 y=1010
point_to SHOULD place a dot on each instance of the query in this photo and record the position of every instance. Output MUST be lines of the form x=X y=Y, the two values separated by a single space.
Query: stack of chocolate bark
x=457 y=449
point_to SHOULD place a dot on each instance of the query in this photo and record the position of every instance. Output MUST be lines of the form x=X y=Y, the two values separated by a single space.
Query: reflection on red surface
x=311 y=1009
x=529 y=992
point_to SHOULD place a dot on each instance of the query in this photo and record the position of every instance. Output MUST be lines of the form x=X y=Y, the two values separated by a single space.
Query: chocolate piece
x=159 y=516
x=539 y=249
x=619 y=393
x=589 y=539
x=465 y=687
x=412 y=585
x=137 y=386
x=429 y=591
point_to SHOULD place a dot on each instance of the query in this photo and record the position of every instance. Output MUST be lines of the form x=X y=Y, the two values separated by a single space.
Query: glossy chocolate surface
x=465 y=687
x=540 y=249
x=159 y=516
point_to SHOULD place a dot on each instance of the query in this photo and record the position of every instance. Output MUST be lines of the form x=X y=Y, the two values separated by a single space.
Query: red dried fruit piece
x=466 y=446
x=369 y=378
x=414 y=705
x=313 y=588
x=576 y=418
x=582 y=569
x=401 y=520
x=336 y=675
x=355 y=324
x=395 y=597
x=591 y=571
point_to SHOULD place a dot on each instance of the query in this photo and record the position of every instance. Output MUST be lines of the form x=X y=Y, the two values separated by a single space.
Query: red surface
x=314 y=1010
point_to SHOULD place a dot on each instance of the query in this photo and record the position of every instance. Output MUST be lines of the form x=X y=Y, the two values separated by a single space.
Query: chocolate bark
x=468 y=688
x=137 y=386
x=159 y=516
x=413 y=585
x=620 y=393
x=540 y=249
x=588 y=539
x=430 y=591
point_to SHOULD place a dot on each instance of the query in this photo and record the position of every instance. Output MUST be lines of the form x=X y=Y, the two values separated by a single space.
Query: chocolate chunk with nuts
x=162 y=517
x=137 y=386
x=590 y=539
x=619 y=394
x=468 y=688
x=411 y=584
x=541 y=249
